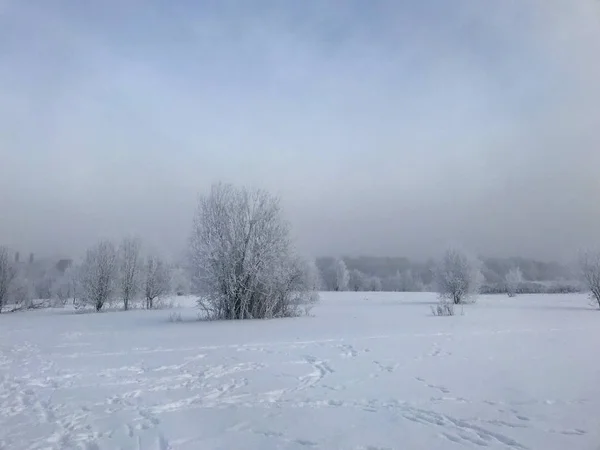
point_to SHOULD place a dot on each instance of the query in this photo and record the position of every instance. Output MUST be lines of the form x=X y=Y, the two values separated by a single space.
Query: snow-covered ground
x=367 y=371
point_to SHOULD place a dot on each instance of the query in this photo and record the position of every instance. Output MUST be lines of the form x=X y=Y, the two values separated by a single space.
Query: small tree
x=157 y=280
x=241 y=258
x=129 y=269
x=98 y=274
x=458 y=277
x=589 y=263
x=7 y=275
x=342 y=277
x=513 y=281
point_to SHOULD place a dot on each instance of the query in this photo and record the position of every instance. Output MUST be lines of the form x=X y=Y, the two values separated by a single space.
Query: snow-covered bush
x=444 y=307
x=98 y=275
x=458 y=277
x=589 y=263
x=241 y=257
x=513 y=281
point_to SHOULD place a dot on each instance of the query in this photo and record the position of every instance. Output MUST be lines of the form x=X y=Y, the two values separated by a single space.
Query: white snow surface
x=366 y=371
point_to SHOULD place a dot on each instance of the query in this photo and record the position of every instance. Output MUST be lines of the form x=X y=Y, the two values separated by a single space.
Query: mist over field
x=392 y=129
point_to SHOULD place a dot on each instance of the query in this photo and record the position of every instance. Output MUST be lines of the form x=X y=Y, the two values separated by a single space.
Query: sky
x=389 y=127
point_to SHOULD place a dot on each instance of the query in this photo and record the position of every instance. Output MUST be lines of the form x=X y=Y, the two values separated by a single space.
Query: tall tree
x=98 y=274
x=7 y=275
x=129 y=269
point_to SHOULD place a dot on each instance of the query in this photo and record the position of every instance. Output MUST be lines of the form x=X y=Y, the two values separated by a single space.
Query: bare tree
x=342 y=277
x=458 y=277
x=157 y=280
x=241 y=257
x=513 y=281
x=589 y=263
x=98 y=274
x=129 y=269
x=7 y=275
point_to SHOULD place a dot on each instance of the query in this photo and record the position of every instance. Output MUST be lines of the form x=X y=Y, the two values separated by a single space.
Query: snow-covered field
x=368 y=371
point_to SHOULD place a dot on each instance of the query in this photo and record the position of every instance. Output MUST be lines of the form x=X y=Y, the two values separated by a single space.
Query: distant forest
x=367 y=273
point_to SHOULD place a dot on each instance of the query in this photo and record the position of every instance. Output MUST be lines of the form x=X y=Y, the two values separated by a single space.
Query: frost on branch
x=241 y=257
x=458 y=277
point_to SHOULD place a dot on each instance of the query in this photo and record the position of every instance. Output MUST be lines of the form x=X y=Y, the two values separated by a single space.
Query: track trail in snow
x=90 y=390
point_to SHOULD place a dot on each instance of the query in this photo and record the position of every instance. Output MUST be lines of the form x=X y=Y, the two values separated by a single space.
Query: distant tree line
x=399 y=274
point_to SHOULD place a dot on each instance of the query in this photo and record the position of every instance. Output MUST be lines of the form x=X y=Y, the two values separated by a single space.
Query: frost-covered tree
x=411 y=282
x=7 y=275
x=374 y=284
x=157 y=279
x=129 y=269
x=314 y=281
x=513 y=281
x=589 y=264
x=357 y=281
x=98 y=274
x=342 y=276
x=242 y=261
x=458 y=277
